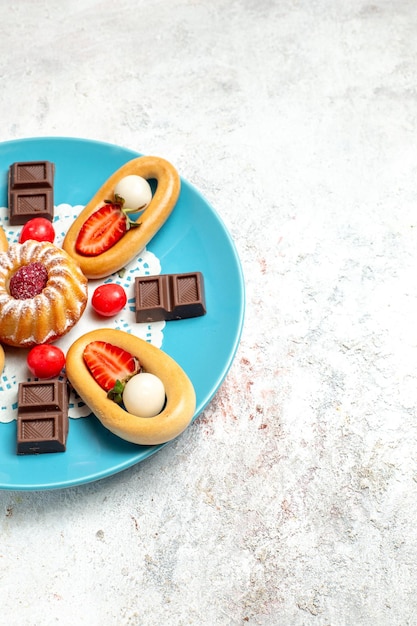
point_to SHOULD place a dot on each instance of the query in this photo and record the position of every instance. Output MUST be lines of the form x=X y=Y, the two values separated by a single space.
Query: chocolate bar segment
x=168 y=297
x=32 y=174
x=42 y=416
x=31 y=191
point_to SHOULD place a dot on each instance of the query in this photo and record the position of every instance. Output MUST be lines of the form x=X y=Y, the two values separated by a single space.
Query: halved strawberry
x=110 y=366
x=103 y=229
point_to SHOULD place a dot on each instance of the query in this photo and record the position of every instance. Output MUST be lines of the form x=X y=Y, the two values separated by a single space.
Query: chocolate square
x=32 y=174
x=188 y=295
x=39 y=434
x=151 y=299
x=26 y=204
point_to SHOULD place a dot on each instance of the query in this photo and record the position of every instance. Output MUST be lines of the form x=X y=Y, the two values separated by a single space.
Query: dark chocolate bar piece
x=168 y=297
x=42 y=416
x=32 y=174
x=31 y=191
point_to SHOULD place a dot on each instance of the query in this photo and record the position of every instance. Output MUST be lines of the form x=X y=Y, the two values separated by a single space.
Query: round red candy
x=39 y=229
x=45 y=361
x=108 y=299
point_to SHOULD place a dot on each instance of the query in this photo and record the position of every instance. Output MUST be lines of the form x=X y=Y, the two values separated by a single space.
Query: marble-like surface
x=292 y=499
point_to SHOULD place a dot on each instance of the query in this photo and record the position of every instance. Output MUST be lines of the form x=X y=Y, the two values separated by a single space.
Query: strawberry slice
x=103 y=229
x=110 y=365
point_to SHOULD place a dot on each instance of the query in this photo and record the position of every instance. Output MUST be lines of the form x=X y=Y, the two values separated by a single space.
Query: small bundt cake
x=43 y=293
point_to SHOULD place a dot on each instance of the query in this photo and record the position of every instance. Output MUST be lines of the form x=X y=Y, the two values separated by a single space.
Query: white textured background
x=293 y=499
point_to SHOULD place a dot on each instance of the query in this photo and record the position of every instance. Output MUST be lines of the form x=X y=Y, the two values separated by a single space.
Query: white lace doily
x=16 y=369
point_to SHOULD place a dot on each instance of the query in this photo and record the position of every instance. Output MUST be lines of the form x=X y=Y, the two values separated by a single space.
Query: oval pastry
x=4 y=244
x=180 y=395
x=147 y=224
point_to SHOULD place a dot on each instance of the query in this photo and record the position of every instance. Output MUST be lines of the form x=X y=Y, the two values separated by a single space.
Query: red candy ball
x=108 y=299
x=39 y=229
x=46 y=361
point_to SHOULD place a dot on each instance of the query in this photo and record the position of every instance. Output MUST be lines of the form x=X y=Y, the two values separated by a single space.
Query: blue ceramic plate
x=193 y=239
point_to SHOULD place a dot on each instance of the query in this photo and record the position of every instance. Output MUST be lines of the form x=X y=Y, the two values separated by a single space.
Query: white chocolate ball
x=144 y=395
x=135 y=191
